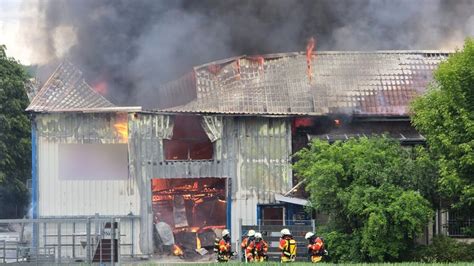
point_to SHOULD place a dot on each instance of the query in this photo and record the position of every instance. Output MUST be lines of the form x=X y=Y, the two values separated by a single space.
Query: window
x=189 y=141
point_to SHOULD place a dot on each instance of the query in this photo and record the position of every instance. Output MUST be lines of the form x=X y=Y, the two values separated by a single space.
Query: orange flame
x=214 y=69
x=177 y=251
x=121 y=127
x=309 y=56
x=122 y=130
x=260 y=61
x=198 y=243
x=237 y=68
x=101 y=87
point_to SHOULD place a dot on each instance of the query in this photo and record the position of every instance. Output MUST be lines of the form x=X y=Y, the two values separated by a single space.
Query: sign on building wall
x=93 y=161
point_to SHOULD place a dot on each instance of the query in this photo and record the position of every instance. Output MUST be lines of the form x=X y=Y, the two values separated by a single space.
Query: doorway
x=273 y=215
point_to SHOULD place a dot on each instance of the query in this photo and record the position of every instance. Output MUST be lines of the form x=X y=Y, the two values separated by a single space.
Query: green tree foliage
x=444 y=249
x=445 y=116
x=368 y=188
x=15 y=146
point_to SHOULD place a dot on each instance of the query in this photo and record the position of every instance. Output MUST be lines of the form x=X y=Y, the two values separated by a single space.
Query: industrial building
x=217 y=152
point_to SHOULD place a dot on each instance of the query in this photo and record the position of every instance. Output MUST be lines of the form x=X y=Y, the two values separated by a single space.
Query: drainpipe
x=34 y=180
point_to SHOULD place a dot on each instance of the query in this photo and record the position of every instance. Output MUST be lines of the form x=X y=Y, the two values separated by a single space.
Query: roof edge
x=127 y=109
x=317 y=52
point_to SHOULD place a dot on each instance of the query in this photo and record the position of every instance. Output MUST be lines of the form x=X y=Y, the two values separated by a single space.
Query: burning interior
x=188 y=214
x=189 y=141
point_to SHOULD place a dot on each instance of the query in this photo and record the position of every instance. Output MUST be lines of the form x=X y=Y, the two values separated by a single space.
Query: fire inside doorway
x=188 y=215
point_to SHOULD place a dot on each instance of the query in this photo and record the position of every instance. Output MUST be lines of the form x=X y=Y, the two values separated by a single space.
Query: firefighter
x=257 y=249
x=222 y=247
x=316 y=248
x=246 y=241
x=287 y=246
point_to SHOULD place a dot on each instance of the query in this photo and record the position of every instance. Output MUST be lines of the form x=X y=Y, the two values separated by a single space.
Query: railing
x=460 y=224
x=67 y=240
x=461 y=228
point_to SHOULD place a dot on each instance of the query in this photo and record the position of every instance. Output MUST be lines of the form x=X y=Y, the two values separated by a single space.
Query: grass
x=325 y=264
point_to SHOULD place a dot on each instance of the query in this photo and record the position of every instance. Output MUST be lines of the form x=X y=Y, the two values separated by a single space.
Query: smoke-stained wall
x=252 y=152
x=136 y=46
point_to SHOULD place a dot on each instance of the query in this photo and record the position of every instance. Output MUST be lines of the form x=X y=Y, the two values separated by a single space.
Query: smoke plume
x=135 y=46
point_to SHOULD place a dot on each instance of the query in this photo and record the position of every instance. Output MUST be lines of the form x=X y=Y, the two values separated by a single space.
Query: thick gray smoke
x=138 y=45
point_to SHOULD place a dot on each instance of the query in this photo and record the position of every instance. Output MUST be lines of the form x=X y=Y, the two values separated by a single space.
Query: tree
x=445 y=116
x=15 y=145
x=368 y=188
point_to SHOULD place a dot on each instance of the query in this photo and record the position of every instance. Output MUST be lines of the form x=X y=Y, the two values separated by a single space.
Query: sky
x=9 y=24
x=10 y=29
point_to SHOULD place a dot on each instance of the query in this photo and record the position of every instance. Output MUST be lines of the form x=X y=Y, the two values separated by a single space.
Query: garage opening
x=189 y=213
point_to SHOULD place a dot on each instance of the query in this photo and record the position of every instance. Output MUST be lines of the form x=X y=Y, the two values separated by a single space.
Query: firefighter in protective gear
x=222 y=247
x=287 y=246
x=246 y=241
x=257 y=249
x=316 y=248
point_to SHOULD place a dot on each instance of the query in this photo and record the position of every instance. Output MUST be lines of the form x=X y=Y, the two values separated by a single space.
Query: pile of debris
x=188 y=243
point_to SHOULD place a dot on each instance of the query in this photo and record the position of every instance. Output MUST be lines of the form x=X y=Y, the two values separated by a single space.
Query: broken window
x=189 y=141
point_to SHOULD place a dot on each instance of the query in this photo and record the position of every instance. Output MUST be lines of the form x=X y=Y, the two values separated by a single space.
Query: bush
x=444 y=249
x=368 y=188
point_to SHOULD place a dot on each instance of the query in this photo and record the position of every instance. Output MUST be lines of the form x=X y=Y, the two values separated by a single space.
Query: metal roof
x=400 y=130
x=364 y=83
x=66 y=90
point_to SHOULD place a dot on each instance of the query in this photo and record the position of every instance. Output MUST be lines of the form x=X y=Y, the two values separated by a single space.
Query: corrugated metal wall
x=254 y=153
x=59 y=197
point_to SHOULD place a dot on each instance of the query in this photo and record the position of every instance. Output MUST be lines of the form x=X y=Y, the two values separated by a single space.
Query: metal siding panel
x=262 y=145
x=263 y=158
x=78 y=197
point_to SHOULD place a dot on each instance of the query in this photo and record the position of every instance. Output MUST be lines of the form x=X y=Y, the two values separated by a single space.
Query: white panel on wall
x=93 y=161
x=63 y=197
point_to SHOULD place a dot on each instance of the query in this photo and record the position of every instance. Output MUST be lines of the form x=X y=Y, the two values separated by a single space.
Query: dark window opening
x=460 y=223
x=273 y=215
x=189 y=141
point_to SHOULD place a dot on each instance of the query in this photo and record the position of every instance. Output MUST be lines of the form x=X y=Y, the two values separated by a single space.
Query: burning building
x=218 y=151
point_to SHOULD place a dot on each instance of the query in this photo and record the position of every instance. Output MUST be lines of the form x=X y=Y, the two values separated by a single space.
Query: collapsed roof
x=67 y=91
x=363 y=83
